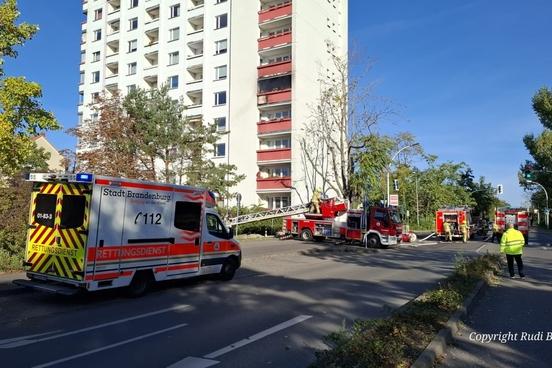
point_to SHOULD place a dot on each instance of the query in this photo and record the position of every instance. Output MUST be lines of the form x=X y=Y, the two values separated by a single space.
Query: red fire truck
x=514 y=216
x=374 y=226
x=454 y=216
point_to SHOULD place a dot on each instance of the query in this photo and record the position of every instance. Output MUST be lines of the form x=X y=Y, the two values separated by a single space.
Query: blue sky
x=460 y=73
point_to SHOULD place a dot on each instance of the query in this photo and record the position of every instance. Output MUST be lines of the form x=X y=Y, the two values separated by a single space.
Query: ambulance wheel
x=306 y=235
x=139 y=285
x=372 y=241
x=228 y=269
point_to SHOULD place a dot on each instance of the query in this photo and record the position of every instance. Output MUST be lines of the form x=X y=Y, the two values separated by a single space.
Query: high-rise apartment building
x=251 y=66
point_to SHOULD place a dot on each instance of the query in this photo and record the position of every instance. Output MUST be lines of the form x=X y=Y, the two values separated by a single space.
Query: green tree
x=21 y=114
x=540 y=147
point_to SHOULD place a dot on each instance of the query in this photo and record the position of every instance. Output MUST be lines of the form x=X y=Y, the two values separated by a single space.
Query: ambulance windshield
x=72 y=213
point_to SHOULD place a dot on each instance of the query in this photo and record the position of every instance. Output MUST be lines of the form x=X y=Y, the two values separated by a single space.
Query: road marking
x=258 y=336
x=22 y=340
x=62 y=360
x=193 y=362
x=480 y=248
x=6 y=341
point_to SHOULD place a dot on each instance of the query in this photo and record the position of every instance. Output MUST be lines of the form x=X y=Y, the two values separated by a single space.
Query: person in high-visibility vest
x=465 y=231
x=447 y=231
x=511 y=244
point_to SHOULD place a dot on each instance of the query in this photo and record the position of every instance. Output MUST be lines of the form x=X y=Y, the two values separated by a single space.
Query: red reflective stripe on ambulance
x=178 y=267
x=141 y=252
x=127 y=184
x=109 y=275
x=223 y=247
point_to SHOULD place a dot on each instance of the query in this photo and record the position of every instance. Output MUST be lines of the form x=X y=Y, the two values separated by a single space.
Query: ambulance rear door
x=58 y=229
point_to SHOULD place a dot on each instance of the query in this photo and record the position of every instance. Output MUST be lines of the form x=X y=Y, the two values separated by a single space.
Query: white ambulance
x=95 y=232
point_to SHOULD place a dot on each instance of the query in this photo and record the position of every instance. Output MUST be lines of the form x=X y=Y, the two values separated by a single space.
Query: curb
x=438 y=345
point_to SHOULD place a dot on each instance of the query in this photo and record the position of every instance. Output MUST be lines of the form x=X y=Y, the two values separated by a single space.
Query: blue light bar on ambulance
x=84 y=177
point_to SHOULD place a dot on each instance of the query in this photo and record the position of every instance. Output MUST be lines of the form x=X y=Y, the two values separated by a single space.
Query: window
x=81 y=78
x=131 y=68
x=81 y=98
x=132 y=45
x=96 y=56
x=133 y=24
x=221 y=47
x=83 y=57
x=174 y=34
x=221 y=124
x=175 y=11
x=278 y=202
x=215 y=227
x=95 y=77
x=94 y=116
x=95 y=96
x=220 y=72
x=220 y=150
x=187 y=216
x=221 y=21
x=133 y=4
x=131 y=88
x=173 y=82
x=72 y=213
x=98 y=14
x=173 y=58
x=220 y=98
x=97 y=34
x=278 y=143
x=279 y=171
x=45 y=209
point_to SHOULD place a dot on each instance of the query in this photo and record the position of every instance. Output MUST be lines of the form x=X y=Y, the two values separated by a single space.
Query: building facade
x=251 y=66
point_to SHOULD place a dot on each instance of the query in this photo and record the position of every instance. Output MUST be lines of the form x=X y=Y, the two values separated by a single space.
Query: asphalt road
x=286 y=297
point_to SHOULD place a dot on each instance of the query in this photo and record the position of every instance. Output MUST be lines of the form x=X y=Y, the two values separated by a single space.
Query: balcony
x=270 y=70
x=195 y=24
x=274 y=155
x=274 y=183
x=151 y=80
x=275 y=12
x=274 y=97
x=152 y=36
x=153 y=14
x=281 y=39
x=273 y=126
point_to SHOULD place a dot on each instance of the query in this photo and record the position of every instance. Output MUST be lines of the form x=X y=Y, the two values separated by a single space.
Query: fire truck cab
x=90 y=232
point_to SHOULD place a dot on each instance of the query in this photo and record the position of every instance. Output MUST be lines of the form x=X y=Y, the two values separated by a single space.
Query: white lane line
x=5 y=341
x=21 y=341
x=480 y=248
x=258 y=336
x=193 y=362
x=62 y=360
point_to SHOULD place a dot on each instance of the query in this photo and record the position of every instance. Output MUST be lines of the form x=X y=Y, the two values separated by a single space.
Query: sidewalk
x=517 y=306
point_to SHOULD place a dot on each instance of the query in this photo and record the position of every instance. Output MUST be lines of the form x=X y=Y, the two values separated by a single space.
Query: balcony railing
x=273 y=183
x=273 y=97
x=276 y=40
x=273 y=126
x=268 y=70
x=277 y=154
x=280 y=11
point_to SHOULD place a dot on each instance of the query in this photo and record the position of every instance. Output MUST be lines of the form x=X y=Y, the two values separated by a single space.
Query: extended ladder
x=279 y=212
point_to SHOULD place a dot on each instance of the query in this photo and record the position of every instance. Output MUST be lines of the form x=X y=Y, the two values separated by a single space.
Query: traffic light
x=396 y=184
x=528 y=172
x=499 y=189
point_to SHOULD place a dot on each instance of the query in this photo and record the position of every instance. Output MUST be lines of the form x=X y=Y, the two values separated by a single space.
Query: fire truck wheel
x=140 y=284
x=228 y=269
x=373 y=241
x=306 y=235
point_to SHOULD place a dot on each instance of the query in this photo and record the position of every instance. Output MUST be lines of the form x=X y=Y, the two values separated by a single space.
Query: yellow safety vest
x=512 y=242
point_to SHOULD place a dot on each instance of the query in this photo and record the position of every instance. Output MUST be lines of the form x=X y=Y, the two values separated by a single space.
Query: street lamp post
x=393 y=159
x=547 y=211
